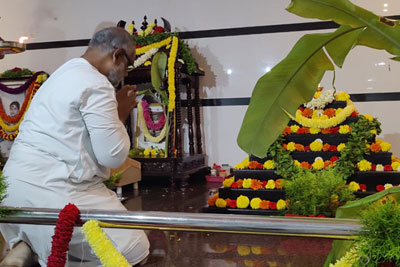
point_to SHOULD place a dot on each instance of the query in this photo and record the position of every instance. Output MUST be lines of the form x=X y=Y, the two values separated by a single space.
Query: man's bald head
x=110 y=39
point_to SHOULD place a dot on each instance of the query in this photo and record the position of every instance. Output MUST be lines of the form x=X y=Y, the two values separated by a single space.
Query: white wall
x=248 y=56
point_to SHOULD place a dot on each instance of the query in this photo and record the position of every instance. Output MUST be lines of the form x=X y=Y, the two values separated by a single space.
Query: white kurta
x=70 y=137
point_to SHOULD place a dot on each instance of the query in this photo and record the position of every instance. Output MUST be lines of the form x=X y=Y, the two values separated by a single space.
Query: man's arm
x=108 y=136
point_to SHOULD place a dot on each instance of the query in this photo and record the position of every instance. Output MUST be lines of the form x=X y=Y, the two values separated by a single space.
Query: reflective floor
x=216 y=249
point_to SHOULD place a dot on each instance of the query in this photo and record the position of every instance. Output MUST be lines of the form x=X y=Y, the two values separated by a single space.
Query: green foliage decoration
x=293 y=81
x=183 y=49
x=379 y=239
x=16 y=73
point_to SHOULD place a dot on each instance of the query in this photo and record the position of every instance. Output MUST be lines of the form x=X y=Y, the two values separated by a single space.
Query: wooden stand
x=177 y=166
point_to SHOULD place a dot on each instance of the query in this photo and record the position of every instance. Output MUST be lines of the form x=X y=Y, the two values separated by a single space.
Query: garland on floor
x=145 y=130
x=67 y=218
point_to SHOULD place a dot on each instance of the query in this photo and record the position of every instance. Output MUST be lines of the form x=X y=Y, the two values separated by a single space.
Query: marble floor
x=183 y=249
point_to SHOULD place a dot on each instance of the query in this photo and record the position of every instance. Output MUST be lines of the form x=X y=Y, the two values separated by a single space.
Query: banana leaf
x=290 y=83
x=158 y=67
x=380 y=32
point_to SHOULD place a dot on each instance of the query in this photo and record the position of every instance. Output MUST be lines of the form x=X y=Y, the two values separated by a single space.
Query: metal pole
x=229 y=223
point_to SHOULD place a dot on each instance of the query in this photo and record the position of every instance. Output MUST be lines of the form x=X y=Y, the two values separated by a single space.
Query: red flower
x=363 y=187
x=301 y=109
x=260 y=166
x=333 y=148
x=301 y=131
x=307 y=148
x=16 y=69
x=354 y=114
x=373 y=167
x=388 y=168
x=334 y=130
x=321 y=216
x=380 y=188
x=234 y=185
x=272 y=205
x=232 y=204
x=67 y=218
x=158 y=29
x=334 y=158
x=263 y=184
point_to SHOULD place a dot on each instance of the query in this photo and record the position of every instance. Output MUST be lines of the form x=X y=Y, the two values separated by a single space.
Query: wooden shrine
x=177 y=166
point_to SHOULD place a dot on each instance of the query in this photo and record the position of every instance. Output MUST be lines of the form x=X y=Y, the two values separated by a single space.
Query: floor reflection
x=220 y=250
x=183 y=249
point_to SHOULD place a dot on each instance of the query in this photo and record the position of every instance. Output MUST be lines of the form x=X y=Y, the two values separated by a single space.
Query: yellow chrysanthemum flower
x=342 y=96
x=239 y=166
x=315 y=130
x=228 y=182
x=294 y=128
x=153 y=152
x=255 y=203
x=220 y=203
x=297 y=163
x=256 y=250
x=385 y=146
x=373 y=132
x=354 y=187
x=395 y=166
x=344 y=129
x=341 y=146
x=242 y=202
x=316 y=146
x=246 y=183
x=147 y=63
x=269 y=165
x=270 y=184
x=318 y=164
x=338 y=110
x=368 y=117
x=317 y=94
x=281 y=204
x=147 y=151
x=291 y=146
x=364 y=165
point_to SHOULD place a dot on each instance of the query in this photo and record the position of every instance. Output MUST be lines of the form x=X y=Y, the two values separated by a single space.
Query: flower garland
x=22 y=88
x=146 y=56
x=7 y=136
x=145 y=130
x=254 y=184
x=321 y=100
x=171 y=74
x=157 y=45
x=103 y=248
x=67 y=218
x=243 y=202
x=327 y=122
x=149 y=121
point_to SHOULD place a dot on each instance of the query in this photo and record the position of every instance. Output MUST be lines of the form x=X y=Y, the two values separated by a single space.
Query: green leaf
x=158 y=67
x=290 y=83
x=380 y=33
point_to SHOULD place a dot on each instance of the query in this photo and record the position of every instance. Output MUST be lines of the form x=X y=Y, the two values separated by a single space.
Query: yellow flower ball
x=220 y=203
x=239 y=166
x=317 y=94
x=338 y=110
x=354 y=187
x=385 y=146
x=368 y=117
x=243 y=250
x=255 y=203
x=281 y=204
x=342 y=96
x=270 y=184
x=316 y=146
x=153 y=152
x=297 y=163
x=341 y=146
x=344 y=129
x=146 y=152
x=324 y=117
x=395 y=166
x=147 y=63
x=294 y=128
x=373 y=132
x=246 y=183
x=228 y=182
x=315 y=130
x=291 y=146
x=242 y=202
x=269 y=165
x=318 y=164
x=364 y=165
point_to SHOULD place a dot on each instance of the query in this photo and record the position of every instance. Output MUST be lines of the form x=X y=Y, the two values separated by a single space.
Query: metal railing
x=207 y=222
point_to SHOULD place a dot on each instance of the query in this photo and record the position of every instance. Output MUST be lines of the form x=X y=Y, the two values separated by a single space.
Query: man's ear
x=117 y=54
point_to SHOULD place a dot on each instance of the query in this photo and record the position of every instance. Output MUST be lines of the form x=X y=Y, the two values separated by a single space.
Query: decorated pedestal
x=327 y=135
